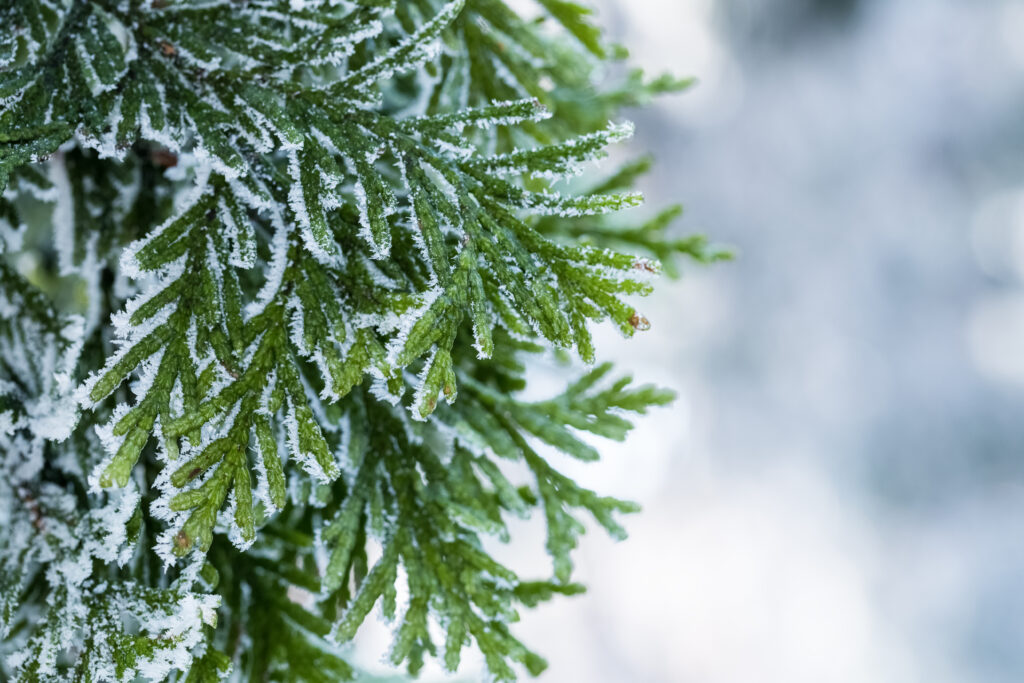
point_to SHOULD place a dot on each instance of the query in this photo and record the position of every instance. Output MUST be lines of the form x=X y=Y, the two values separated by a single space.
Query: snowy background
x=838 y=495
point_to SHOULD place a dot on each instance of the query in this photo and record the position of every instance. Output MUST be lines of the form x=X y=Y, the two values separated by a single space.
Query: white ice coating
x=297 y=203
x=344 y=47
x=92 y=79
x=411 y=227
x=63 y=214
x=164 y=135
x=127 y=334
x=297 y=325
x=108 y=540
x=82 y=612
x=22 y=184
x=262 y=490
x=420 y=394
x=211 y=64
x=305 y=459
x=129 y=263
x=405 y=322
x=251 y=191
x=507 y=77
x=263 y=140
x=426 y=84
x=207 y=156
x=555 y=204
x=274 y=272
x=386 y=203
x=479 y=334
x=574 y=152
x=16 y=96
x=41 y=363
x=439 y=180
x=184 y=627
x=239 y=234
x=54 y=413
x=226 y=521
x=454 y=151
x=112 y=443
x=379 y=387
x=419 y=47
x=160 y=507
x=105 y=144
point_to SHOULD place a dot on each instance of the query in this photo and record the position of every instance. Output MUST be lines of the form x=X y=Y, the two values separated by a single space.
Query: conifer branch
x=271 y=273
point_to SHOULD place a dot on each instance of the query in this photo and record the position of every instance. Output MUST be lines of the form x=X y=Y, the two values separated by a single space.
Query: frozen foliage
x=247 y=248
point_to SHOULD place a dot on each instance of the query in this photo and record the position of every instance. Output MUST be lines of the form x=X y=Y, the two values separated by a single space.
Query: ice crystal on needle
x=270 y=272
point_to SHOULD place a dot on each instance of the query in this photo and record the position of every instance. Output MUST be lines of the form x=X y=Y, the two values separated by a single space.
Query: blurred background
x=838 y=494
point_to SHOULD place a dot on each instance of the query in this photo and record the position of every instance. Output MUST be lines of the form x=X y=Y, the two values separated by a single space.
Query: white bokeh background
x=837 y=494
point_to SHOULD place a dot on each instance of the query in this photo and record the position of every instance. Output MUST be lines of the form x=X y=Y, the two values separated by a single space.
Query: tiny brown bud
x=639 y=322
x=227 y=368
x=164 y=158
x=645 y=264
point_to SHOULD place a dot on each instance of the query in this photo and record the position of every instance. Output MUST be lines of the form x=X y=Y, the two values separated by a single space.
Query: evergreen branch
x=306 y=222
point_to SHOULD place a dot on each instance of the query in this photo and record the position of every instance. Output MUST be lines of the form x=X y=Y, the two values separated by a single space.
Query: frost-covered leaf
x=270 y=275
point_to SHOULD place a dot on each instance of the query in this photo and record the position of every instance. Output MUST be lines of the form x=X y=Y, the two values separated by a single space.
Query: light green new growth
x=272 y=271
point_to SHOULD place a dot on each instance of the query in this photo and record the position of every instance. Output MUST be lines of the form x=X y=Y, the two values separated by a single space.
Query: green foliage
x=248 y=247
